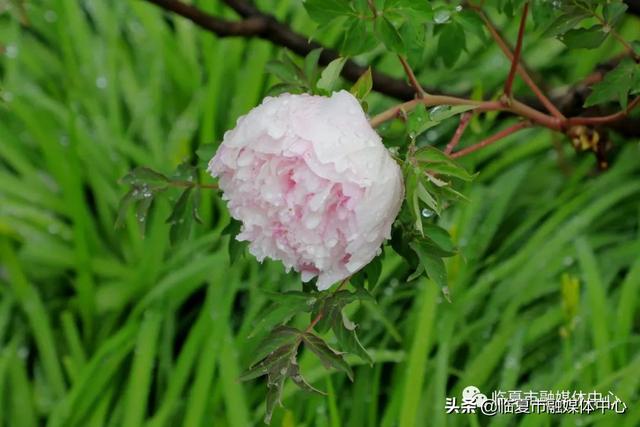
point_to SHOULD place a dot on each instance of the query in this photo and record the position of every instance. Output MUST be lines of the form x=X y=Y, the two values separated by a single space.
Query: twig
x=516 y=108
x=498 y=136
x=600 y=120
x=520 y=69
x=516 y=54
x=465 y=118
x=412 y=77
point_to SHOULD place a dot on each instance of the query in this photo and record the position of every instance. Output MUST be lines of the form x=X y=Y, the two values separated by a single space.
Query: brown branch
x=412 y=77
x=515 y=107
x=516 y=54
x=265 y=26
x=498 y=136
x=524 y=75
x=465 y=118
x=268 y=28
x=601 y=120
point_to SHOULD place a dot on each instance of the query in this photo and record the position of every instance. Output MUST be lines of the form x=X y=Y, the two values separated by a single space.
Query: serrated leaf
x=616 y=84
x=330 y=74
x=389 y=34
x=325 y=11
x=414 y=10
x=279 y=337
x=328 y=356
x=451 y=43
x=584 y=38
x=433 y=265
x=363 y=85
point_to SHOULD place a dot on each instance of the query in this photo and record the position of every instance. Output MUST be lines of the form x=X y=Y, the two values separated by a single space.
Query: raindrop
x=458 y=8
x=427 y=213
x=101 y=82
x=53 y=229
x=7 y=96
x=64 y=140
x=23 y=352
x=435 y=111
x=567 y=261
x=441 y=16
x=11 y=51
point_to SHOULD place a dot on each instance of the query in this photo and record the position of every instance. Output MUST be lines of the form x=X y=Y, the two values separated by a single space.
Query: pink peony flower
x=311 y=183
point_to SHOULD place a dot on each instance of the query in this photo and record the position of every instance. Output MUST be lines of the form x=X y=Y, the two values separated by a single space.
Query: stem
x=520 y=69
x=412 y=77
x=464 y=122
x=498 y=136
x=515 y=107
x=516 y=55
x=319 y=316
x=599 y=120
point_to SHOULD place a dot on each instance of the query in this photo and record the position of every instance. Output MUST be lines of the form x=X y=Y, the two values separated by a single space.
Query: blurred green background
x=100 y=327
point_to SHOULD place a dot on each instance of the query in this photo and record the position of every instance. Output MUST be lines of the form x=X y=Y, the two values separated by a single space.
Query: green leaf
x=363 y=85
x=125 y=202
x=613 y=12
x=451 y=43
x=145 y=176
x=616 y=84
x=443 y=112
x=297 y=378
x=472 y=23
x=357 y=37
x=440 y=163
x=439 y=236
x=206 y=152
x=281 y=336
x=330 y=74
x=565 y=22
x=433 y=265
x=413 y=10
x=325 y=11
x=235 y=247
x=584 y=38
x=287 y=305
x=413 y=34
x=389 y=34
x=142 y=213
x=345 y=332
x=328 y=356
x=285 y=70
x=180 y=223
x=311 y=65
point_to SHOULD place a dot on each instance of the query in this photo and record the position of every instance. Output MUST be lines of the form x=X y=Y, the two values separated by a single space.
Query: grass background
x=100 y=327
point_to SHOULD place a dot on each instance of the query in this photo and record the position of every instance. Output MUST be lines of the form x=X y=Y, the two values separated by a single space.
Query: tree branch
x=412 y=77
x=516 y=54
x=520 y=69
x=258 y=24
x=498 y=136
x=280 y=34
x=465 y=118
